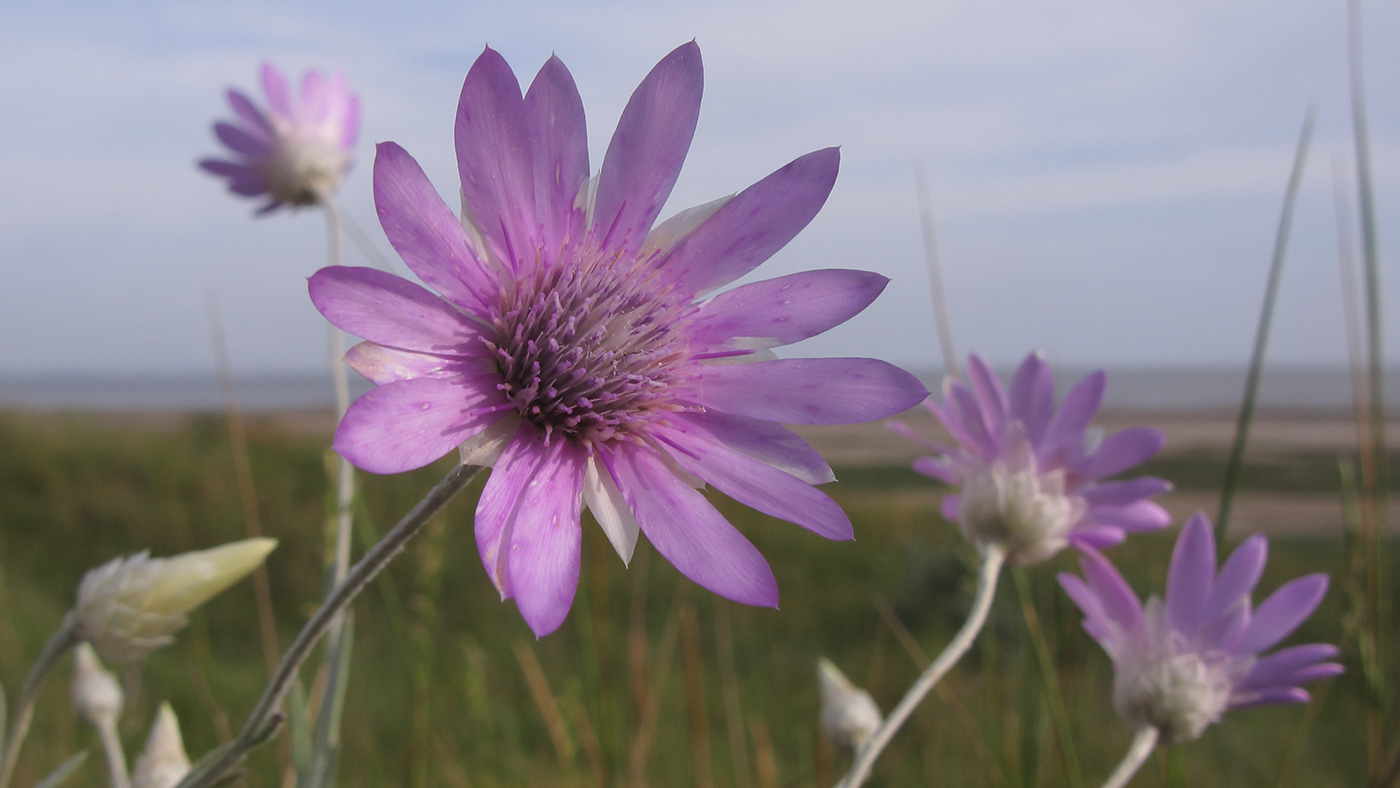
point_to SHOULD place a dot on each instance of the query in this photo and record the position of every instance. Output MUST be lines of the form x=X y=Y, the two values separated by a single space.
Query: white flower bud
x=849 y=715
x=129 y=607
x=163 y=763
x=97 y=695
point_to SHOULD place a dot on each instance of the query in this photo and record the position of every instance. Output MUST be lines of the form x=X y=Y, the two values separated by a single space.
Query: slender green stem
x=935 y=278
x=61 y=643
x=263 y=721
x=1050 y=679
x=993 y=557
x=1142 y=746
x=1261 y=334
x=117 y=774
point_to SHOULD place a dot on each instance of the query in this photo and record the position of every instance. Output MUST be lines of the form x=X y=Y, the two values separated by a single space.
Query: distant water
x=1164 y=389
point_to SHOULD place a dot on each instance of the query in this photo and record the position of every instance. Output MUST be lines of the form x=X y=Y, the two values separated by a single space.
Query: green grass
x=437 y=693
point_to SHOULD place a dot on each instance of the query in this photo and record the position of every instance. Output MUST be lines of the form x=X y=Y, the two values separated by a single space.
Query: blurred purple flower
x=296 y=152
x=1031 y=476
x=1180 y=665
x=566 y=346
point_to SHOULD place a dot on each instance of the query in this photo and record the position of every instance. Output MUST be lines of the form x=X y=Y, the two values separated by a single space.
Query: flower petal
x=1124 y=491
x=1096 y=537
x=1133 y=518
x=959 y=401
x=1283 y=611
x=255 y=123
x=1239 y=575
x=500 y=502
x=1190 y=576
x=645 y=154
x=754 y=483
x=554 y=113
x=690 y=533
x=750 y=228
x=601 y=496
x=1032 y=399
x=810 y=390
x=1123 y=450
x=388 y=310
x=425 y=232
x=381 y=365
x=546 y=540
x=1065 y=431
x=767 y=442
x=784 y=310
x=1120 y=603
x=279 y=98
x=240 y=141
x=935 y=468
x=410 y=423
x=990 y=396
x=1277 y=669
x=495 y=160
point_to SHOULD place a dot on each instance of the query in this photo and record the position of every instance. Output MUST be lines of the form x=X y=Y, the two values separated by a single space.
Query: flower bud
x=97 y=695
x=849 y=715
x=129 y=607
x=163 y=763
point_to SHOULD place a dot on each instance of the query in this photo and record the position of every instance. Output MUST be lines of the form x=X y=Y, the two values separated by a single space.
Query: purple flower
x=1030 y=475
x=1180 y=665
x=566 y=346
x=296 y=152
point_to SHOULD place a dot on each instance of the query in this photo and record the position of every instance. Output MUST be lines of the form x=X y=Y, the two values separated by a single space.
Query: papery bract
x=1181 y=664
x=1032 y=477
x=567 y=345
x=297 y=150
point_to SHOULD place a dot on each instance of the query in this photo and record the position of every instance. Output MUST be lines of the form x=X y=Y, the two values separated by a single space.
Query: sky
x=1105 y=177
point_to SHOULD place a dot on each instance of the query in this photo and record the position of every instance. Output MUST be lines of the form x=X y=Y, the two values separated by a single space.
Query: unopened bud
x=97 y=695
x=849 y=715
x=129 y=607
x=163 y=763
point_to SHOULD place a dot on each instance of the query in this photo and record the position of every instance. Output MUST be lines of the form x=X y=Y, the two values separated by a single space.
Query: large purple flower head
x=1031 y=476
x=1180 y=665
x=568 y=346
x=296 y=151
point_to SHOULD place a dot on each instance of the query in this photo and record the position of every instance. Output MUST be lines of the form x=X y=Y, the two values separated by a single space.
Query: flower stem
x=1136 y=756
x=263 y=721
x=993 y=557
x=61 y=643
x=112 y=749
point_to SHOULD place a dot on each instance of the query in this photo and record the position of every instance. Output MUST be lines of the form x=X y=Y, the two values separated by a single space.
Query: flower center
x=1028 y=513
x=304 y=169
x=589 y=348
x=1179 y=694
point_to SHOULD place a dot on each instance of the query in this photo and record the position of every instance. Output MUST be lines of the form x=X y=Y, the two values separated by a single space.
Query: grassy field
x=651 y=681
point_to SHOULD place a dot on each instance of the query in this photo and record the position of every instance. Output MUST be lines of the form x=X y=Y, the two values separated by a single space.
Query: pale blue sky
x=1106 y=176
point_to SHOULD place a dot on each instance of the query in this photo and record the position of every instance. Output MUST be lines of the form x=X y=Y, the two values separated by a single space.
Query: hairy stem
x=1142 y=746
x=993 y=557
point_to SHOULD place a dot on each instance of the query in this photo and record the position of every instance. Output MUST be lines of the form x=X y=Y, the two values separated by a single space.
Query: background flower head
x=1031 y=476
x=298 y=149
x=568 y=346
x=1181 y=664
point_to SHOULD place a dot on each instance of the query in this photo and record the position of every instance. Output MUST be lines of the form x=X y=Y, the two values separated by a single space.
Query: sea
x=1164 y=389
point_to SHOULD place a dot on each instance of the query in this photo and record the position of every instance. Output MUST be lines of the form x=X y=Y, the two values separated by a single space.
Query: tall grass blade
x=326 y=746
x=1261 y=334
x=65 y=770
x=1378 y=585
x=1050 y=683
x=935 y=278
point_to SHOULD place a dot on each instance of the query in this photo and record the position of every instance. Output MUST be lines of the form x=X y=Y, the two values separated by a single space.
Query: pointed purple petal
x=255 y=122
x=960 y=400
x=1134 y=517
x=690 y=533
x=750 y=228
x=1283 y=611
x=495 y=161
x=410 y=423
x=769 y=443
x=1240 y=573
x=240 y=141
x=1096 y=620
x=1032 y=399
x=1272 y=670
x=1270 y=698
x=1096 y=537
x=425 y=232
x=1190 y=576
x=1120 y=603
x=381 y=365
x=1124 y=491
x=388 y=310
x=554 y=113
x=810 y=390
x=279 y=98
x=1066 y=428
x=935 y=468
x=500 y=502
x=228 y=169
x=350 y=125
x=645 y=154
x=1123 y=450
x=990 y=396
x=784 y=310
x=546 y=541
x=755 y=484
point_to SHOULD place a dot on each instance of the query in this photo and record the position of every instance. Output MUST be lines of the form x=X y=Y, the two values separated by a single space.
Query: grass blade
x=64 y=771
x=1261 y=335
